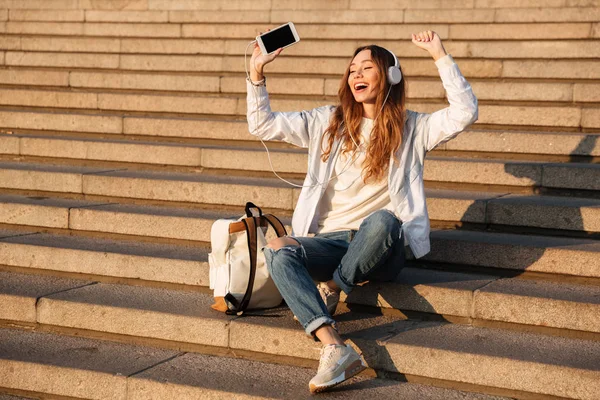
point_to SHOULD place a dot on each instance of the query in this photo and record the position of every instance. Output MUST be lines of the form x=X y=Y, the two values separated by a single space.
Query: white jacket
x=422 y=132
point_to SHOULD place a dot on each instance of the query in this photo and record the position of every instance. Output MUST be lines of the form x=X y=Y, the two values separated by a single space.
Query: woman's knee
x=283 y=241
x=383 y=221
x=278 y=260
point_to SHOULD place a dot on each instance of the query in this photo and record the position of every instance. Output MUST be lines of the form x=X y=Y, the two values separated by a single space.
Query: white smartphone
x=281 y=37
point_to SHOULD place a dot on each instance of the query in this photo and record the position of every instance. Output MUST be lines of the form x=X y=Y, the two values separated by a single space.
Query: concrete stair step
x=552 y=255
x=431 y=88
x=188 y=265
x=216 y=83
x=563 y=14
x=484 y=297
x=104 y=258
x=562 y=367
x=558 y=212
x=575 y=214
x=39 y=211
x=76 y=367
x=550 y=143
x=69 y=121
x=523 y=142
x=151 y=222
x=417 y=89
x=573 y=116
x=10 y=397
x=455 y=31
x=437 y=168
x=307 y=15
x=19 y=294
x=537 y=303
x=53 y=178
x=206 y=188
x=417 y=67
x=89 y=6
x=162 y=374
x=167 y=154
x=333 y=48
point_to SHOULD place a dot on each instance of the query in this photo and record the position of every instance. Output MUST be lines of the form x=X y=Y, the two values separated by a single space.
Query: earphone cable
x=254 y=91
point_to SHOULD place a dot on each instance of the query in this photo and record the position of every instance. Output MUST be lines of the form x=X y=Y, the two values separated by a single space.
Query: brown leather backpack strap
x=242 y=305
x=276 y=224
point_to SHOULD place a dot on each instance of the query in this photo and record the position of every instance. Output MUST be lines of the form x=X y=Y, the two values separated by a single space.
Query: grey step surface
x=437 y=168
x=155 y=262
x=559 y=213
x=209 y=154
x=154 y=6
x=537 y=303
x=161 y=374
x=188 y=265
x=521 y=31
x=546 y=254
x=232 y=105
x=547 y=143
x=338 y=13
x=194 y=224
x=471 y=68
x=419 y=88
x=561 y=367
x=375 y=32
x=572 y=214
x=568 y=213
x=114 y=124
x=473 y=140
x=563 y=49
x=564 y=143
x=19 y=294
x=85 y=304
x=409 y=346
x=10 y=397
x=39 y=211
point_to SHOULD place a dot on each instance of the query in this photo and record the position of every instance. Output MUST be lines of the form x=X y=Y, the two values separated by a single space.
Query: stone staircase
x=123 y=137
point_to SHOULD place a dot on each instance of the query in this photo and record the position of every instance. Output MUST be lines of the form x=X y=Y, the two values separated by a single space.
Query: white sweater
x=348 y=200
x=422 y=132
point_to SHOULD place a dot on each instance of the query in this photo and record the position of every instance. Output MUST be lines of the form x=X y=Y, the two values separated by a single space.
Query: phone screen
x=278 y=38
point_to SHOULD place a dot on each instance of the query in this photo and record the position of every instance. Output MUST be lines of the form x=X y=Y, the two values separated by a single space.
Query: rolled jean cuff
x=337 y=278
x=317 y=323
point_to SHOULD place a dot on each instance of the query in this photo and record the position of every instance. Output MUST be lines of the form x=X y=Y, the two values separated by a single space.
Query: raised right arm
x=296 y=128
x=292 y=127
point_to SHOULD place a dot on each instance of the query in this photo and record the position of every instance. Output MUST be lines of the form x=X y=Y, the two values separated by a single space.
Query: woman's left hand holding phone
x=258 y=62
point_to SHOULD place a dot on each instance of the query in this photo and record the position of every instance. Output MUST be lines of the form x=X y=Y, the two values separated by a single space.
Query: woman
x=363 y=195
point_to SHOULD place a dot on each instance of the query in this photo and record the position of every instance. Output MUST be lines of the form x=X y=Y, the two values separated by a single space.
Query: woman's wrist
x=256 y=74
x=438 y=54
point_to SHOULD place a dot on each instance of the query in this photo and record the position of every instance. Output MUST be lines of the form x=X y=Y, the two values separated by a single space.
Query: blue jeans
x=374 y=252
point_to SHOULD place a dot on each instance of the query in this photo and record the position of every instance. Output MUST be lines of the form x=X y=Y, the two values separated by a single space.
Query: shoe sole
x=355 y=368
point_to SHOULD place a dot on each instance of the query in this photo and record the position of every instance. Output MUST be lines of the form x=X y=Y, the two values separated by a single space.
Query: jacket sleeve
x=296 y=128
x=443 y=125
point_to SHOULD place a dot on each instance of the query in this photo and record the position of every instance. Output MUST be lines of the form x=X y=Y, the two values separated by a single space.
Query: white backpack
x=238 y=271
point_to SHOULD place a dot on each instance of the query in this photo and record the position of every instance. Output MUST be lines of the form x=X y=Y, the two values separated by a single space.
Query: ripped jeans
x=374 y=252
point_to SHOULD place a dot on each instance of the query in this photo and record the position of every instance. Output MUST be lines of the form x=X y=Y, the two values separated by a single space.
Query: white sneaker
x=337 y=364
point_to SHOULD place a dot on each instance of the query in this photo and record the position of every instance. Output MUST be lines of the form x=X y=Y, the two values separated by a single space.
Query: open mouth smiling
x=360 y=87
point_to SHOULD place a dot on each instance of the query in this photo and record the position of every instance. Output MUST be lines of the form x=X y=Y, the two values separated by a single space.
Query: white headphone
x=394 y=76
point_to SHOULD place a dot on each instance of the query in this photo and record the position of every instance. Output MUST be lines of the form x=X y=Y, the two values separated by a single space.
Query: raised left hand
x=430 y=41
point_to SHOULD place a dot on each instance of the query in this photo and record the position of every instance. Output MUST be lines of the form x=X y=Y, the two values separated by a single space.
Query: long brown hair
x=386 y=136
